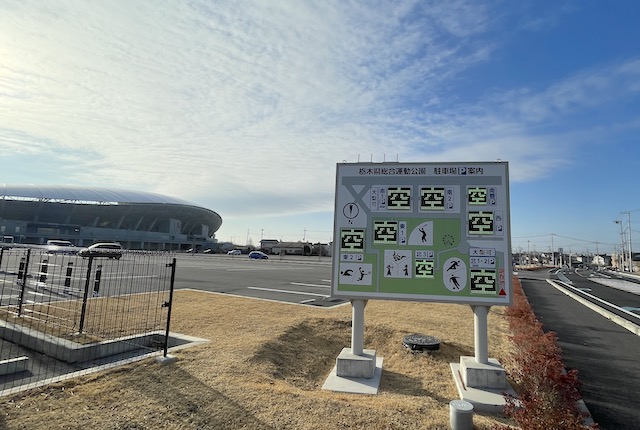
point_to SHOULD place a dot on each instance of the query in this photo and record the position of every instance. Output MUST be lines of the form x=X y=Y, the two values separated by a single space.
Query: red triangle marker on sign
x=502 y=292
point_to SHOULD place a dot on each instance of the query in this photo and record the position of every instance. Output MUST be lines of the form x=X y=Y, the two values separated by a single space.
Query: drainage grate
x=421 y=342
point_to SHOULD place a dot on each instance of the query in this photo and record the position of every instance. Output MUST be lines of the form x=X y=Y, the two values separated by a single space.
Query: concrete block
x=13 y=365
x=484 y=400
x=168 y=359
x=483 y=375
x=355 y=385
x=350 y=365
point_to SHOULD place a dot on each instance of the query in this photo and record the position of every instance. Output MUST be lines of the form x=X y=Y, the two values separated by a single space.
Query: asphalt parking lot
x=292 y=279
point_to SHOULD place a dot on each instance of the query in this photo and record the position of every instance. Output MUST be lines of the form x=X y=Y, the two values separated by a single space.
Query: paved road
x=302 y=280
x=606 y=355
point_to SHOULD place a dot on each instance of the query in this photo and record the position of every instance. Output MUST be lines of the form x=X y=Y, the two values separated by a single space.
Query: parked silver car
x=108 y=250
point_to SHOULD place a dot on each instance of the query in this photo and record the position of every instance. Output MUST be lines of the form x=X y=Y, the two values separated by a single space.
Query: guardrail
x=61 y=313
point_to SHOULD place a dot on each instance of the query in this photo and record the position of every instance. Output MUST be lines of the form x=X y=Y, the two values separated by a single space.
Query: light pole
x=622 y=250
x=553 y=253
x=630 y=250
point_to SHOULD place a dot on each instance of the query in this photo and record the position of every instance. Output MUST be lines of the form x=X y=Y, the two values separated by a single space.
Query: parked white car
x=61 y=247
x=234 y=252
x=107 y=250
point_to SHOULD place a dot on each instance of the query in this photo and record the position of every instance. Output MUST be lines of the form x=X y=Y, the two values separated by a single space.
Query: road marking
x=302 y=284
x=633 y=328
x=248 y=269
x=619 y=284
x=35 y=293
x=286 y=291
x=4 y=281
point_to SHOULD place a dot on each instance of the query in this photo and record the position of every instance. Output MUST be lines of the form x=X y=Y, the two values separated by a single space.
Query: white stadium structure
x=85 y=215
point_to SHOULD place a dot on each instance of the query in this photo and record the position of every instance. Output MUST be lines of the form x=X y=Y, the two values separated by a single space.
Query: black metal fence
x=62 y=315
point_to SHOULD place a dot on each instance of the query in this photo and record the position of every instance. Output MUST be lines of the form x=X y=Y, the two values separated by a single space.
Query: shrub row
x=548 y=395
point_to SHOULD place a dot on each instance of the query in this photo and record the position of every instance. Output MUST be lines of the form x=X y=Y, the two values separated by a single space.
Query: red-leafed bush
x=548 y=395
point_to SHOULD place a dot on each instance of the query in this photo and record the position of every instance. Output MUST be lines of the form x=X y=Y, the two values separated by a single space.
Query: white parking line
x=286 y=291
x=249 y=269
x=302 y=284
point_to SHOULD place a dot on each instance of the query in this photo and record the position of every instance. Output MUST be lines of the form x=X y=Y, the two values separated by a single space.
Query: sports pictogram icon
x=454 y=274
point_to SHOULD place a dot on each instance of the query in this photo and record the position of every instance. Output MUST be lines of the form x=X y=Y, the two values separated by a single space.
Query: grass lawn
x=264 y=368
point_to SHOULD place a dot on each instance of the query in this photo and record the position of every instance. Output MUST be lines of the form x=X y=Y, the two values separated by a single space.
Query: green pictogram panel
x=399 y=198
x=483 y=281
x=351 y=240
x=385 y=232
x=424 y=269
x=477 y=196
x=480 y=222
x=432 y=199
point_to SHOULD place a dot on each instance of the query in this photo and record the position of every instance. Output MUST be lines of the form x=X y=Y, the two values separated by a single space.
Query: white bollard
x=461 y=415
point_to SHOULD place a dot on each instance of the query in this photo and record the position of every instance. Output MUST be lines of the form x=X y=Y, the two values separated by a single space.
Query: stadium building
x=85 y=215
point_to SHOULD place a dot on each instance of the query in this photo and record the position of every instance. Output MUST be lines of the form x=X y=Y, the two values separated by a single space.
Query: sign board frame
x=437 y=232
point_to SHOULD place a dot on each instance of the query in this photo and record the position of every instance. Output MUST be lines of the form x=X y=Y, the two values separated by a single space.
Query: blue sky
x=246 y=107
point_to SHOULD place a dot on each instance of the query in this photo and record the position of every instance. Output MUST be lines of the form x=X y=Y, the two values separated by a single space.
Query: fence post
x=169 y=304
x=22 y=279
x=86 y=295
x=21 y=270
x=96 y=284
x=44 y=268
x=67 y=279
x=1 y=255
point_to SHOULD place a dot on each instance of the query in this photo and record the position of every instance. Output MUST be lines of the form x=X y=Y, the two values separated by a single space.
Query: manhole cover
x=419 y=342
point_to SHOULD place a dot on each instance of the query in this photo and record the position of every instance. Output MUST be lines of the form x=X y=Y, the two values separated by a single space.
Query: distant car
x=208 y=251
x=258 y=255
x=234 y=252
x=60 y=247
x=107 y=250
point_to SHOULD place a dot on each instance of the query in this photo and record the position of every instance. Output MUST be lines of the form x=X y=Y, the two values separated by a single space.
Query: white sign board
x=424 y=231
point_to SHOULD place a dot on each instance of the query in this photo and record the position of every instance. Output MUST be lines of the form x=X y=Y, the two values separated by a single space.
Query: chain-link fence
x=61 y=314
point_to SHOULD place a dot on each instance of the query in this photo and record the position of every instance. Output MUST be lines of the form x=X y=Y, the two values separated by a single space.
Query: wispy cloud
x=245 y=107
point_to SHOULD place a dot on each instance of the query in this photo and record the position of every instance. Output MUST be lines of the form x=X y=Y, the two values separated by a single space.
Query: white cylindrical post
x=480 y=333
x=460 y=415
x=357 y=326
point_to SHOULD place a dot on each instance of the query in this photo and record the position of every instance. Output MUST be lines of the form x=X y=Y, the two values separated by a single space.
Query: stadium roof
x=103 y=207
x=87 y=195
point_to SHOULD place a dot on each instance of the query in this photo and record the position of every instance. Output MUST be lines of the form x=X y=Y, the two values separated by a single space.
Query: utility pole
x=553 y=253
x=622 y=250
x=630 y=249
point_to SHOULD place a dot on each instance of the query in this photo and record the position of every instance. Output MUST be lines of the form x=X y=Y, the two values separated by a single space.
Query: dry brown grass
x=263 y=369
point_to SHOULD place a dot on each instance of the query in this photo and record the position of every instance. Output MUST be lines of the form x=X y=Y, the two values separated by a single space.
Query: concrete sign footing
x=350 y=365
x=359 y=374
x=484 y=385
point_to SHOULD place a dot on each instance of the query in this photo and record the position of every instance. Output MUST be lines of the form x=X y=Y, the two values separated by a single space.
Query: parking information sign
x=425 y=232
